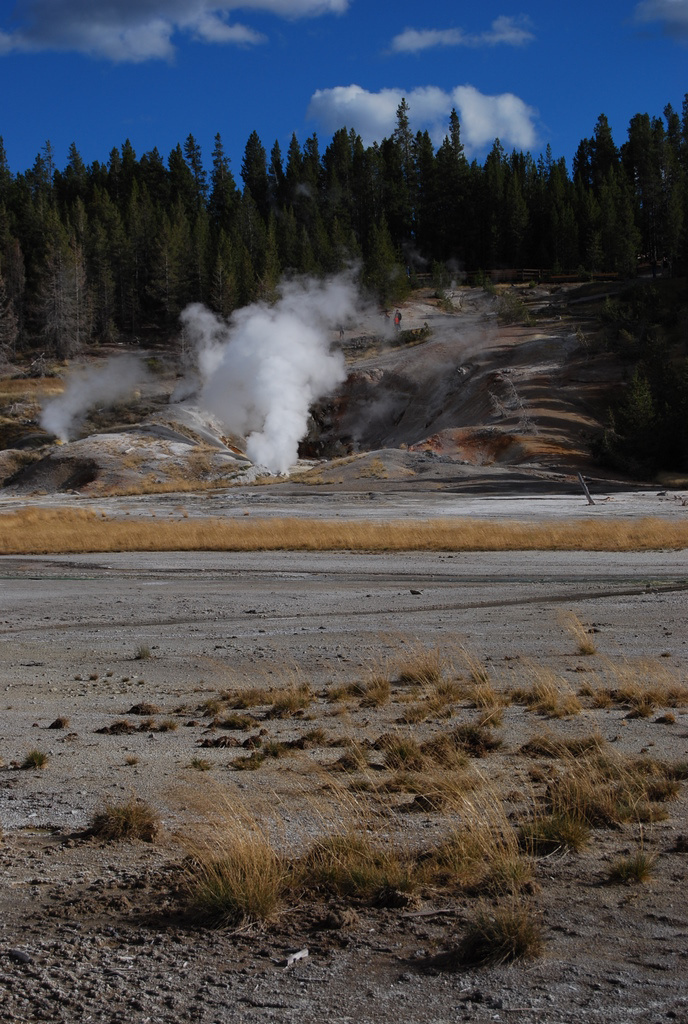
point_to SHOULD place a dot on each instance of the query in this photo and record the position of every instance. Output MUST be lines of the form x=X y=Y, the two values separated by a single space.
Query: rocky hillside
x=476 y=390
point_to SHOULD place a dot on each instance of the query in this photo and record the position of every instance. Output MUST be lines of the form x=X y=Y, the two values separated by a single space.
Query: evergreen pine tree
x=254 y=174
x=223 y=284
x=192 y=154
x=9 y=329
x=223 y=191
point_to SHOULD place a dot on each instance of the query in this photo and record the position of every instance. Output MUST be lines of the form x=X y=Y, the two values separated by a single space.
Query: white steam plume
x=262 y=371
x=101 y=385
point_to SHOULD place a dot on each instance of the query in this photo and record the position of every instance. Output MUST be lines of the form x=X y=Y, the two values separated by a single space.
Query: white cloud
x=512 y=31
x=139 y=30
x=504 y=30
x=210 y=28
x=370 y=113
x=373 y=114
x=484 y=118
x=673 y=15
x=412 y=40
x=292 y=8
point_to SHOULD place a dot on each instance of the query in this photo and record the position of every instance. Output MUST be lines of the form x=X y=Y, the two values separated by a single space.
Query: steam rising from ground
x=101 y=385
x=262 y=371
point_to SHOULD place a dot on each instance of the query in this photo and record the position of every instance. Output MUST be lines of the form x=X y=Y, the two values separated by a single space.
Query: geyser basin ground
x=100 y=922
x=160 y=642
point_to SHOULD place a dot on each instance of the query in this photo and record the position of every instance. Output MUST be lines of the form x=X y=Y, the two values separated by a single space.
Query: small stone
x=20 y=956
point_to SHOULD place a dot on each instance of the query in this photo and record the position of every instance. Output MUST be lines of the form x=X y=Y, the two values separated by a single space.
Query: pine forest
x=115 y=250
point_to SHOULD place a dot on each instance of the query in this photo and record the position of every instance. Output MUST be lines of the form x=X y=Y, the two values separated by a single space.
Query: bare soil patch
x=434 y=709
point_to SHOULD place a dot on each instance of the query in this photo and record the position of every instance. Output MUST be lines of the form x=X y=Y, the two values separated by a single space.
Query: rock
x=20 y=956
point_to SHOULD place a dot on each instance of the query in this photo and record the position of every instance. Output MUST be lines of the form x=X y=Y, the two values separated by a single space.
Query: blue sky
x=97 y=72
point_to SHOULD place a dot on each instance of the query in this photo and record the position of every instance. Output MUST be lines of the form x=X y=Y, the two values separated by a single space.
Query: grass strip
x=72 y=531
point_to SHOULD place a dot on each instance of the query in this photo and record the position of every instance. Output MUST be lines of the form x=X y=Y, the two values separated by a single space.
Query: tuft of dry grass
x=546 y=745
x=373 y=692
x=353 y=864
x=436 y=700
x=483 y=695
x=548 y=694
x=235 y=878
x=585 y=644
x=548 y=833
x=475 y=739
x=642 y=686
x=445 y=751
x=607 y=789
x=414 y=714
x=251 y=763
x=435 y=790
x=421 y=667
x=35 y=759
x=317 y=737
x=133 y=819
x=633 y=869
x=445 y=692
x=211 y=707
x=234 y=872
x=401 y=753
x=243 y=699
x=507 y=875
x=273 y=748
x=235 y=721
x=144 y=708
x=499 y=934
x=354 y=759
x=69 y=530
x=291 y=700
x=493 y=718
x=375 y=469
x=377 y=691
x=478 y=674
x=481 y=849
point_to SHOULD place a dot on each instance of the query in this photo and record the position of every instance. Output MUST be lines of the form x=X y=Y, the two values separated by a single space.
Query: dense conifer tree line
x=93 y=253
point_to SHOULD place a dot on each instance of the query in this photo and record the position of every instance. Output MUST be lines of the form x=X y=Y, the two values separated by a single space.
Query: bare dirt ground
x=97 y=931
x=121 y=669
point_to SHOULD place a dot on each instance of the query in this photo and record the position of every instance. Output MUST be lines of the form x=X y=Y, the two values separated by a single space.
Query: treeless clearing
x=422 y=821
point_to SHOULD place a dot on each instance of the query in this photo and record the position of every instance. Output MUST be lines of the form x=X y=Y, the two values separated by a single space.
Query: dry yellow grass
x=644 y=684
x=547 y=693
x=42 y=531
x=235 y=873
x=172 y=484
x=29 y=388
x=375 y=469
x=584 y=641
x=133 y=819
x=421 y=667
